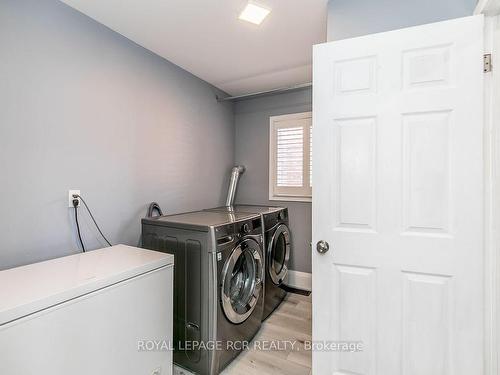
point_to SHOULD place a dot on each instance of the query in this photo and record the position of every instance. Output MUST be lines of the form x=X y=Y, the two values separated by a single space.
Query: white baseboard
x=299 y=280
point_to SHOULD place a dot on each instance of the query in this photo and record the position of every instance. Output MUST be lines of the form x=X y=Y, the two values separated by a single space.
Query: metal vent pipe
x=233 y=184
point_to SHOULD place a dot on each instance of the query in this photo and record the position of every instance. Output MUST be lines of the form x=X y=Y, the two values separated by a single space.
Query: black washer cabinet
x=218 y=277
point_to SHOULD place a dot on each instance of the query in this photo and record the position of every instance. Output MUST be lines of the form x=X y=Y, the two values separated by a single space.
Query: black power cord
x=76 y=197
x=152 y=208
x=75 y=206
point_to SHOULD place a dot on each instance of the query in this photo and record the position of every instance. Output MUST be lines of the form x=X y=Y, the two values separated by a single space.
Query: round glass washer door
x=278 y=254
x=242 y=281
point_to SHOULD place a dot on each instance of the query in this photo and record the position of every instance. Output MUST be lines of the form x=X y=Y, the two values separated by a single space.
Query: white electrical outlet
x=70 y=197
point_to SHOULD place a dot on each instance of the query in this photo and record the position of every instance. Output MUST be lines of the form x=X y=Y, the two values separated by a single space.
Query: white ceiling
x=206 y=38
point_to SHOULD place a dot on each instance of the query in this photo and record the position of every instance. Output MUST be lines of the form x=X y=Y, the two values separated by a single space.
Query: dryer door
x=242 y=281
x=278 y=253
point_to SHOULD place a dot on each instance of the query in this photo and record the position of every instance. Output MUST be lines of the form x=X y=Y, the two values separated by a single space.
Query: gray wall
x=252 y=150
x=351 y=18
x=83 y=107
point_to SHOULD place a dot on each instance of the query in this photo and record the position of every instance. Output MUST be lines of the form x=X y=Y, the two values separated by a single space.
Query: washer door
x=278 y=253
x=242 y=281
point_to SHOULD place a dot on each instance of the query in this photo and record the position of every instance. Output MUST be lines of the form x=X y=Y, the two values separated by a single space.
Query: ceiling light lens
x=254 y=13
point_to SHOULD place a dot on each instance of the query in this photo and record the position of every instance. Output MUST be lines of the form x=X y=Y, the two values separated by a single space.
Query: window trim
x=291 y=196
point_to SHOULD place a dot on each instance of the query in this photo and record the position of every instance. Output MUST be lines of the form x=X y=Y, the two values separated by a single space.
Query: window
x=290 y=164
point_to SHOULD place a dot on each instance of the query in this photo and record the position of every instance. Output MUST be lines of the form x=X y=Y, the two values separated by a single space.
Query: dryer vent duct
x=233 y=184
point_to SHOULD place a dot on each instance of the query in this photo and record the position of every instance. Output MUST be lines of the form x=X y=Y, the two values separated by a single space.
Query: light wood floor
x=290 y=322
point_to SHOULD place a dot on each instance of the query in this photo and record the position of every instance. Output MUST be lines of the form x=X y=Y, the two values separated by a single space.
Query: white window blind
x=310 y=156
x=290 y=156
x=290 y=174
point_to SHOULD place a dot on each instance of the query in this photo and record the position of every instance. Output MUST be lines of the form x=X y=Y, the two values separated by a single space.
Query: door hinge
x=487 y=63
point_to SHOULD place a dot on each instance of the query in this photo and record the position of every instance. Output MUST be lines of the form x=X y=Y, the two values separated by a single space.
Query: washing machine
x=277 y=245
x=218 y=283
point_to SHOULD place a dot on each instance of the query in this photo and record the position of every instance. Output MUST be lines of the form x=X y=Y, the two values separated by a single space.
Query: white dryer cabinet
x=88 y=314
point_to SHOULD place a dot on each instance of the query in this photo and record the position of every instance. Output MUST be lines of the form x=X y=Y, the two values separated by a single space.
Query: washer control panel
x=252 y=226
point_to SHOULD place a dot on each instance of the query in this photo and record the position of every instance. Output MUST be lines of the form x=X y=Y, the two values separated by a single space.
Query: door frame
x=491 y=10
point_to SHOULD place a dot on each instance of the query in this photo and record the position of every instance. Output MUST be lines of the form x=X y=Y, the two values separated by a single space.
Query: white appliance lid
x=28 y=289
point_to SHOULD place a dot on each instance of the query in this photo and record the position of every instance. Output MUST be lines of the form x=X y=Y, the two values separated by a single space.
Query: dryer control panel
x=274 y=218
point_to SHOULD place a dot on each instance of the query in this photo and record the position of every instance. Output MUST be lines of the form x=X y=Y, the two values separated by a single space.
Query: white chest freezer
x=88 y=314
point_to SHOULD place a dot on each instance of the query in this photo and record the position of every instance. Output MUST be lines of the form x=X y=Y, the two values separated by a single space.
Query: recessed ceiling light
x=254 y=13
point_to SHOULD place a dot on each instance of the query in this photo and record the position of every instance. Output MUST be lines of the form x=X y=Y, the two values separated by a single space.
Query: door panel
x=426 y=172
x=356 y=173
x=398 y=195
x=426 y=324
x=357 y=317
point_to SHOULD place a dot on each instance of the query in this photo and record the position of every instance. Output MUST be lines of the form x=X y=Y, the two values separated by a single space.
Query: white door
x=398 y=196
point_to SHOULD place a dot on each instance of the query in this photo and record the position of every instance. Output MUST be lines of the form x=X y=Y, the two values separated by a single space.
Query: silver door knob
x=322 y=247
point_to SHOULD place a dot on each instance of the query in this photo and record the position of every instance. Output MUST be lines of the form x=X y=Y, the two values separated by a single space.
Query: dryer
x=277 y=246
x=218 y=283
